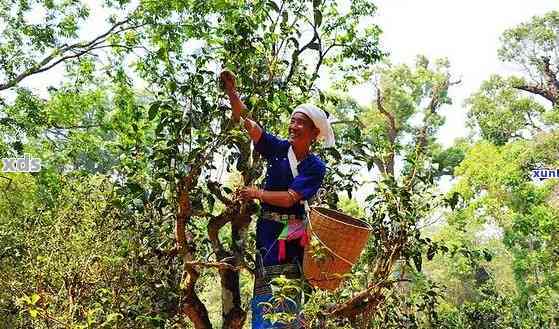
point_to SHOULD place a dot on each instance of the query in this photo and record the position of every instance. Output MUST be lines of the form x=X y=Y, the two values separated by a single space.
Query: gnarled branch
x=67 y=52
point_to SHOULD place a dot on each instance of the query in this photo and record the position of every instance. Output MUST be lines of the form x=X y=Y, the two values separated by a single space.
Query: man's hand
x=238 y=107
x=248 y=193
x=285 y=199
x=230 y=86
x=250 y=126
x=229 y=83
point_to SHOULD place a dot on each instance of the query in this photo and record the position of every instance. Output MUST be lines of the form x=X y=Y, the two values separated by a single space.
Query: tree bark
x=388 y=161
x=238 y=215
x=191 y=305
x=538 y=90
x=364 y=302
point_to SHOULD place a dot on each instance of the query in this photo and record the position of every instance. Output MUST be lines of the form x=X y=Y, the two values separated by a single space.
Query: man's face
x=301 y=129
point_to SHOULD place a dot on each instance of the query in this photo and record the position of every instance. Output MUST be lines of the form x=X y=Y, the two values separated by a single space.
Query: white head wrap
x=320 y=120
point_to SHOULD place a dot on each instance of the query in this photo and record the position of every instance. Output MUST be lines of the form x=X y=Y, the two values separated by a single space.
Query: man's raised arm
x=238 y=107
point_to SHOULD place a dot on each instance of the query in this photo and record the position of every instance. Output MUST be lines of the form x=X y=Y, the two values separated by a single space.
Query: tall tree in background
x=509 y=108
x=38 y=37
x=399 y=128
x=517 y=118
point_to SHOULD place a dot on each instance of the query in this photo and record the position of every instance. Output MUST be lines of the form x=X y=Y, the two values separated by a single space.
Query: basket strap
x=326 y=246
x=293 y=165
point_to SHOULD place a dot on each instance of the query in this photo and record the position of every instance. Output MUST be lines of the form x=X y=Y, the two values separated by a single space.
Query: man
x=280 y=231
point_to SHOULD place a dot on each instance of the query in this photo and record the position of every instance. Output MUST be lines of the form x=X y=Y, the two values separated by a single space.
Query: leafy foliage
x=133 y=221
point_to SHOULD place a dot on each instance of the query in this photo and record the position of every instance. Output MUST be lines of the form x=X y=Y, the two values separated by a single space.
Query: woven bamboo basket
x=337 y=240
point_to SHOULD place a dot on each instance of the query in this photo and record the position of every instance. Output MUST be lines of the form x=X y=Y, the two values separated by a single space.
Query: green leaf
x=317 y=18
x=417 y=260
x=431 y=252
x=285 y=17
x=336 y=154
x=153 y=110
x=33 y=312
x=113 y=317
x=172 y=85
x=487 y=255
x=35 y=298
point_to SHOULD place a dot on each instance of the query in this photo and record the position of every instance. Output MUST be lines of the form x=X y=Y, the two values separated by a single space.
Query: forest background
x=132 y=221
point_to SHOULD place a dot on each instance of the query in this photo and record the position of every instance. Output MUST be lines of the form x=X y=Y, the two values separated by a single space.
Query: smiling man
x=280 y=231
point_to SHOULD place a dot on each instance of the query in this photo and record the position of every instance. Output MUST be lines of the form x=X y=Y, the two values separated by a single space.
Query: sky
x=465 y=32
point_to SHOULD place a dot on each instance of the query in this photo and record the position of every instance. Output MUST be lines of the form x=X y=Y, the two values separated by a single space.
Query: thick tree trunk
x=191 y=305
x=234 y=316
x=238 y=214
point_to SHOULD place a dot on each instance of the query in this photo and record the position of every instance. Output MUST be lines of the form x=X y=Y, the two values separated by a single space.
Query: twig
x=219 y=265
x=78 y=49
